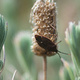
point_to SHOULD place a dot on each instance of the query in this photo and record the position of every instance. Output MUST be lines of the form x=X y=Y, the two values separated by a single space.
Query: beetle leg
x=57 y=43
x=60 y=57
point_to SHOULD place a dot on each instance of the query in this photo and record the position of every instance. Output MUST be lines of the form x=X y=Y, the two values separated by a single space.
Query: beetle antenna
x=63 y=53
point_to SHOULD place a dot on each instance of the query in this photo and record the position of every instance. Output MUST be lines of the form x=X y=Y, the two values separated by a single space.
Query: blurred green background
x=16 y=13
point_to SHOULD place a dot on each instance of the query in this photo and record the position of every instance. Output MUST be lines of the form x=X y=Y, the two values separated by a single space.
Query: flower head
x=43 y=18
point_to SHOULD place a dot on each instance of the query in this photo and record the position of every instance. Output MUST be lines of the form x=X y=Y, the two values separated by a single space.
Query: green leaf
x=74 y=43
x=1 y=65
x=3 y=31
x=69 y=69
x=22 y=43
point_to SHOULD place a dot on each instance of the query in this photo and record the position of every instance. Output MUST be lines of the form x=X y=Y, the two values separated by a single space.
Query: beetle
x=47 y=44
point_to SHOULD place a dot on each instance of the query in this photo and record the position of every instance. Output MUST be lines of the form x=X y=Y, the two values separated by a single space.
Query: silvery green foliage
x=1 y=69
x=3 y=31
x=22 y=44
x=64 y=75
x=1 y=64
x=14 y=75
x=27 y=76
x=1 y=77
x=73 y=39
x=68 y=73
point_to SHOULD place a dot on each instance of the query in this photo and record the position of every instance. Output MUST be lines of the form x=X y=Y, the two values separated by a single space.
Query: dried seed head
x=43 y=17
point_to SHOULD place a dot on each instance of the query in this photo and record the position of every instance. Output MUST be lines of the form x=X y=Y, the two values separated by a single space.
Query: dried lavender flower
x=43 y=18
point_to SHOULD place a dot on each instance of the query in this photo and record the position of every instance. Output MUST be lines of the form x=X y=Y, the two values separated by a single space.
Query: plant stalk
x=45 y=67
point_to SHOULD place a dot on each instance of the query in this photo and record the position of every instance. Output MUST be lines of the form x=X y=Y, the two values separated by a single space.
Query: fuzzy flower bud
x=43 y=18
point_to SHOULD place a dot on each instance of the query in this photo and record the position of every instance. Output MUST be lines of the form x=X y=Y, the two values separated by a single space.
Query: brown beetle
x=47 y=44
